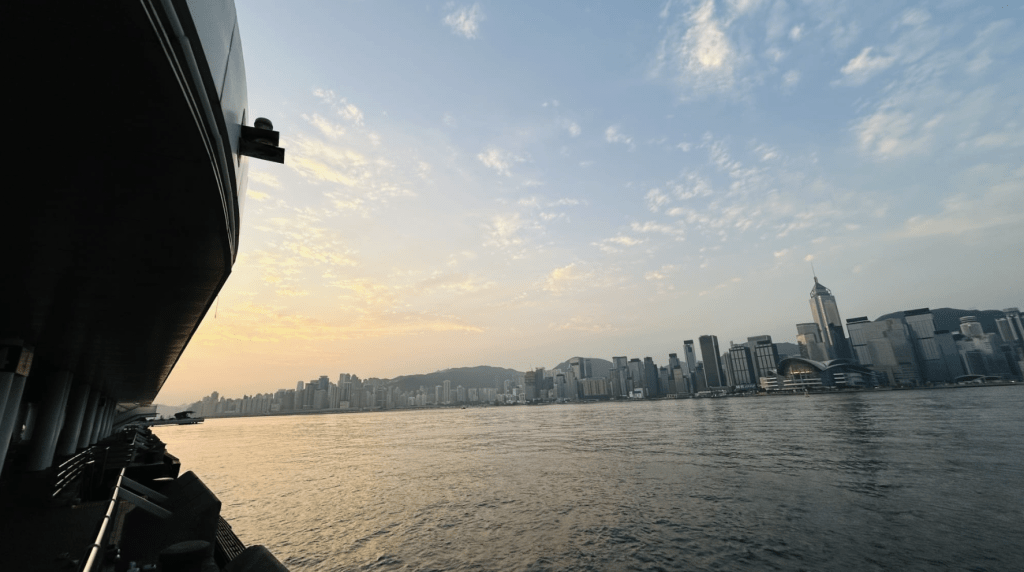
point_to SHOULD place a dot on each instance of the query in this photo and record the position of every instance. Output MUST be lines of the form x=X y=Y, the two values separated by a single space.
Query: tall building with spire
x=826 y=315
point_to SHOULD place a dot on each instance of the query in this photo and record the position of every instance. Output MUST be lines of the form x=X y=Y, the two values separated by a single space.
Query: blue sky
x=516 y=183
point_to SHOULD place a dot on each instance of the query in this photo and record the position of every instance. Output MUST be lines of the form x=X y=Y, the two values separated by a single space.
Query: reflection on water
x=876 y=481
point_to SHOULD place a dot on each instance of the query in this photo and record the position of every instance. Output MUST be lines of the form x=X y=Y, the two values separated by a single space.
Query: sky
x=515 y=183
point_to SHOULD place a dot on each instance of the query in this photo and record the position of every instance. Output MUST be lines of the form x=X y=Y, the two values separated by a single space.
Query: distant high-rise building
x=673 y=364
x=620 y=365
x=741 y=364
x=636 y=374
x=1015 y=325
x=446 y=392
x=710 y=354
x=652 y=382
x=936 y=356
x=766 y=358
x=690 y=355
x=581 y=368
x=826 y=315
x=886 y=346
x=809 y=339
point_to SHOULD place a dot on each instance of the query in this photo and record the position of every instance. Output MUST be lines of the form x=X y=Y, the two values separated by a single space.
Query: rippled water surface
x=912 y=480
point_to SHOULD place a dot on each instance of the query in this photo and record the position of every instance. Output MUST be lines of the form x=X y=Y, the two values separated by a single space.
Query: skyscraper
x=826 y=315
x=741 y=365
x=766 y=358
x=711 y=356
x=653 y=383
x=690 y=355
x=808 y=337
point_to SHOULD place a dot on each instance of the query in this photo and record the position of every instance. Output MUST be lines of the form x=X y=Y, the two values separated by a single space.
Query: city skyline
x=905 y=351
x=485 y=183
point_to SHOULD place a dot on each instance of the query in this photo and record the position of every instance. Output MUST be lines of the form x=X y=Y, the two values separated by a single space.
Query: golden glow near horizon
x=628 y=178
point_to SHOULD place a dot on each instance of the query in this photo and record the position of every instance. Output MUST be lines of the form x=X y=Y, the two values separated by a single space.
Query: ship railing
x=97 y=552
x=104 y=456
x=69 y=471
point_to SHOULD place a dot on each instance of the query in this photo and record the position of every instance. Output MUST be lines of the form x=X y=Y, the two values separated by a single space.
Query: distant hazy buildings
x=905 y=349
x=711 y=355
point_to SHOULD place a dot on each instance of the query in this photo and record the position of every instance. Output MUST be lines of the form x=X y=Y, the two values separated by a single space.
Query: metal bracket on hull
x=261 y=142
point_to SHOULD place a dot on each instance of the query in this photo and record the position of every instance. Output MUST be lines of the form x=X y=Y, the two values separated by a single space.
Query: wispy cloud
x=566 y=278
x=465 y=21
x=997 y=206
x=613 y=135
x=500 y=161
x=617 y=243
x=699 y=54
x=926 y=105
x=861 y=68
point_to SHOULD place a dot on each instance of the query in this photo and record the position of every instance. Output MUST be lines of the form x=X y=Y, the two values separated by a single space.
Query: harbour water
x=891 y=480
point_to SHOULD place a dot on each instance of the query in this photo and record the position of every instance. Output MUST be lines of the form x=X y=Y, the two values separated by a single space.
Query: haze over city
x=515 y=184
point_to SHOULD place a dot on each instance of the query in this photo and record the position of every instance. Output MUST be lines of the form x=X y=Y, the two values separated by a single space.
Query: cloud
x=574 y=129
x=264 y=179
x=465 y=21
x=613 y=135
x=341 y=106
x=327 y=128
x=861 y=68
x=674 y=231
x=790 y=79
x=930 y=103
x=350 y=112
x=500 y=161
x=781 y=253
x=890 y=134
x=656 y=199
x=583 y=324
x=616 y=243
x=702 y=60
x=256 y=195
x=998 y=205
x=660 y=274
x=505 y=229
x=565 y=278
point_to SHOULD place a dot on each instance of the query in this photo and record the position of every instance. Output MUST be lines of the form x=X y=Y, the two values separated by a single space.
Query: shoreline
x=585 y=402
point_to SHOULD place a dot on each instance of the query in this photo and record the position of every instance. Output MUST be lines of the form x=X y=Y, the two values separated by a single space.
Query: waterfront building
x=800 y=373
x=886 y=347
x=765 y=356
x=983 y=353
x=825 y=313
x=700 y=381
x=636 y=375
x=446 y=392
x=673 y=365
x=651 y=380
x=741 y=366
x=620 y=365
x=710 y=353
x=1015 y=326
x=690 y=356
x=581 y=368
x=936 y=354
x=808 y=338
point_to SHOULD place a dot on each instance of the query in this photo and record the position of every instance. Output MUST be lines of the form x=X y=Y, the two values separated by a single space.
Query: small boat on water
x=180 y=418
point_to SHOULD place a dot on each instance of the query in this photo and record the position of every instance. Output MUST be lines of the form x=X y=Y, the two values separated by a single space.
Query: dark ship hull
x=132 y=147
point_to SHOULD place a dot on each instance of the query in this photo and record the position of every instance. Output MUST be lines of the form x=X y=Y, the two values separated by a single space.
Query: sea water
x=882 y=480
